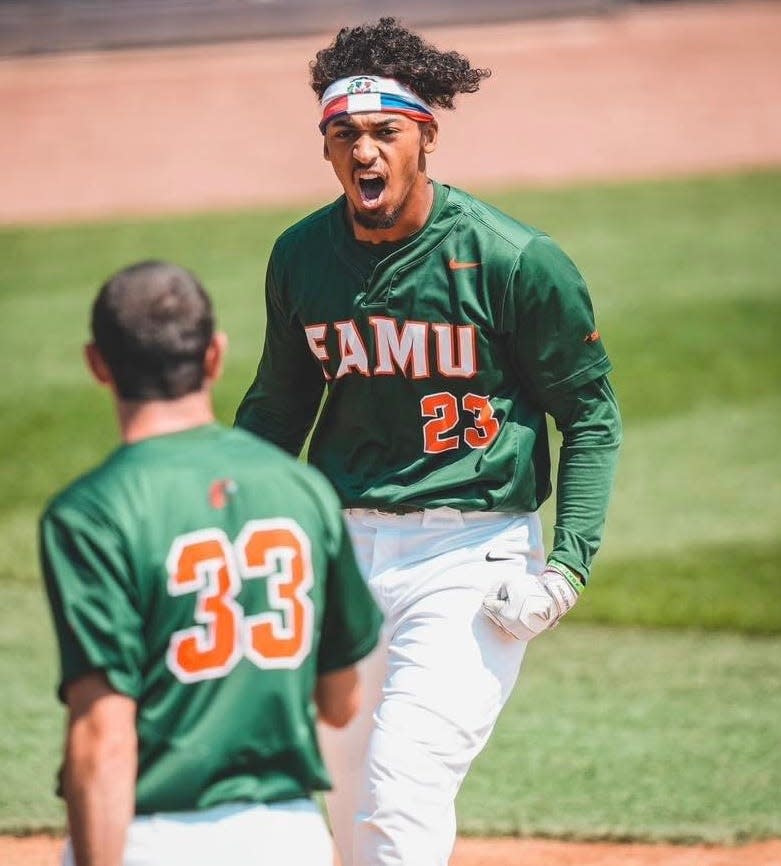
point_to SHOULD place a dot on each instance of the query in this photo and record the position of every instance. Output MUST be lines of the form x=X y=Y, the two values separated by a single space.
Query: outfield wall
x=39 y=26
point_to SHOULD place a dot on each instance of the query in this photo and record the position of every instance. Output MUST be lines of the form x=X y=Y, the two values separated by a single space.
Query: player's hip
x=434 y=532
x=406 y=556
x=242 y=834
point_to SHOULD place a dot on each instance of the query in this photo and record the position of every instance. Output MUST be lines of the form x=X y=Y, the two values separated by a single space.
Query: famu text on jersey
x=392 y=348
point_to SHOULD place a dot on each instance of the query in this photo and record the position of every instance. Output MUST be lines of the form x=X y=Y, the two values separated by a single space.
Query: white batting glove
x=525 y=605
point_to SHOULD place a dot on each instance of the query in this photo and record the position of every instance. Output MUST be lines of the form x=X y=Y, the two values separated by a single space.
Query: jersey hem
x=119 y=682
x=206 y=807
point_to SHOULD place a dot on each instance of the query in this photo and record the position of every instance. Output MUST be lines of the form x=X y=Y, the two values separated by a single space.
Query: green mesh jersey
x=211 y=577
x=440 y=355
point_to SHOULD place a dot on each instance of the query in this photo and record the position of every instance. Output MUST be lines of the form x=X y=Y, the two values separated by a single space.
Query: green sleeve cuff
x=574 y=579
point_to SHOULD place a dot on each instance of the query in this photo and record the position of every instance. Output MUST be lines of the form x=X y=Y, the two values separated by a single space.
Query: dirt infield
x=44 y=851
x=647 y=92
x=650 y=91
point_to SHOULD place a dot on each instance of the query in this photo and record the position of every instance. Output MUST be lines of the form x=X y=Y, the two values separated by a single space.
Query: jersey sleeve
x=351 y=618
x=98 y=626
x=282 y=401
x=548 y=315
x=590 y=424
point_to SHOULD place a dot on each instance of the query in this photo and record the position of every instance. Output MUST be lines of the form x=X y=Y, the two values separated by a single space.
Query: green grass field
x=654 y=712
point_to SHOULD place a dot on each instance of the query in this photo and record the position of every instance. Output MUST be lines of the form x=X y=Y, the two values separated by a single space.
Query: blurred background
x=66 y=25
x=645 y=138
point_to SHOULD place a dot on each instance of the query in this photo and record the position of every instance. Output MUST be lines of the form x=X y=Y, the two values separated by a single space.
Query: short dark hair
x=388 y=49
x=152 y=323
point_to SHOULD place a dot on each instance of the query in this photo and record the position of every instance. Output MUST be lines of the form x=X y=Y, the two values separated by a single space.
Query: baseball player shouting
x=443 y=332
x=203 y=589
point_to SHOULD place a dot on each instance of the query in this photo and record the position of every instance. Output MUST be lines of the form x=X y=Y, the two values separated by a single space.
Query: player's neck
x=142 y=419
x=413 y=216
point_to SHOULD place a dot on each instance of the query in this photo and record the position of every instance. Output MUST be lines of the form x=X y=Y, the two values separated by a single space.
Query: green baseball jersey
x=440 y=354
x=210 y=576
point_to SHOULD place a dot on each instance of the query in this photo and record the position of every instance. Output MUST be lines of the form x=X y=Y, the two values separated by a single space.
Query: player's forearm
x=99 y=776
x=587 y=464
x=282 y=402
x=260 y=417
x=99 y=785
x=280 y=408
x=338 y=696
x=582 y=494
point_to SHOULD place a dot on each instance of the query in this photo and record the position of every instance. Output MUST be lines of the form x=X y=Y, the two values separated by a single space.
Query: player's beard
x=385 y=220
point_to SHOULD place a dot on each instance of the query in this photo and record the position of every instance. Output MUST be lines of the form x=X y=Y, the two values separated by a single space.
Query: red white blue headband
x=371 y=93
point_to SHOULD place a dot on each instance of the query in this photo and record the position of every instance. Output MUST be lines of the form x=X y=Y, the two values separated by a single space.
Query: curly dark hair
x=388 y=49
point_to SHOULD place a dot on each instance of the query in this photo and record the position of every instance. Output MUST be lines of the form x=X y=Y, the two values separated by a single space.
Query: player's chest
x=414 y=322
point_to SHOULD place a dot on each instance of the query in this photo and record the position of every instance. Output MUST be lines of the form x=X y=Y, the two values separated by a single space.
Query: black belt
x=396 y=508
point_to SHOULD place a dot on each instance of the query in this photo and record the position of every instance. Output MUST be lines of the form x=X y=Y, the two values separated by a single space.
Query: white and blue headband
x=371 y=93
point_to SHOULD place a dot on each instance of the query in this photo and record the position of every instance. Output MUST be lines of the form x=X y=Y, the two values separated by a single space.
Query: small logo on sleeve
x=592 y=337
x=460 y=266
x=220 y=491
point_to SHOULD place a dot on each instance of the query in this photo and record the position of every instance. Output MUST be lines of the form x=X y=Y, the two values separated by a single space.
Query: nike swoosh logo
x=490 y=557
x=460 y=266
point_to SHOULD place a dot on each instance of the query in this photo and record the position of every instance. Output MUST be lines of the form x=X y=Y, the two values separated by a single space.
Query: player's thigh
x=450 y=672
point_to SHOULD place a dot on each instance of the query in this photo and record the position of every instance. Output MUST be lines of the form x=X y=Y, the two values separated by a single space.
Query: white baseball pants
x=433 y=691
x=238 y=834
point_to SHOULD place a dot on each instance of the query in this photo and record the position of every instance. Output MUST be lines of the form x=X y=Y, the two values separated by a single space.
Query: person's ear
x=326 y=154
x=214 y=358
x=429 y=134
x=97 y=365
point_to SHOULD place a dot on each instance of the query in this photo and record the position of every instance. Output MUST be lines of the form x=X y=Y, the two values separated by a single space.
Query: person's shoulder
x=133 y=470
x=94 y=491
x=305 y=230
x=493 y=223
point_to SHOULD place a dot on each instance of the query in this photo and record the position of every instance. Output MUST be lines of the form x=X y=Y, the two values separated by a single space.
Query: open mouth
x=371 y=189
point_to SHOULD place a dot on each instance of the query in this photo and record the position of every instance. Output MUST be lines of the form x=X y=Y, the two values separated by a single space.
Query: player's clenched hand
x=527 y=604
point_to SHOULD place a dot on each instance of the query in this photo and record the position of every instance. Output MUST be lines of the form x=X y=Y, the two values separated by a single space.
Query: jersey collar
x=441 y=221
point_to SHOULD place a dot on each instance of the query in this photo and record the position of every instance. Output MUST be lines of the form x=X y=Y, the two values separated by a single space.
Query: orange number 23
x=443 y=409
x=207 y=563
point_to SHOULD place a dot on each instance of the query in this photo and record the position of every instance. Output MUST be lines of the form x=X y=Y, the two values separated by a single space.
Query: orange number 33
x=207 y=563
